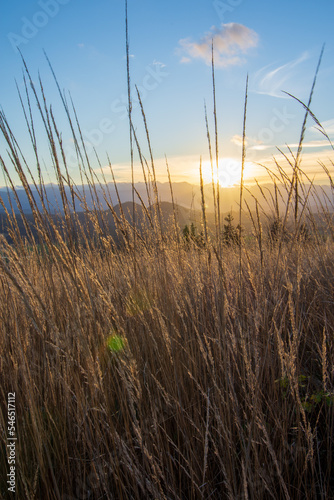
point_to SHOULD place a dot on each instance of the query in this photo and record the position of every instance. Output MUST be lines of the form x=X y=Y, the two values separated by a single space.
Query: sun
x=229 y=172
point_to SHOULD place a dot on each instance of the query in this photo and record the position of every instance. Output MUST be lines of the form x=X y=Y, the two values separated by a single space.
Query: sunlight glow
x=229 y=172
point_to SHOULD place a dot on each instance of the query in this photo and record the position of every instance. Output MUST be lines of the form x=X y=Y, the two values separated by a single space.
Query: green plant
x=231 y=234
x=116 y=343
x=190 y=235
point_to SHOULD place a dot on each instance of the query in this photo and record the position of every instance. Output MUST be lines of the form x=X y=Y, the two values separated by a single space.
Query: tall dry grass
x=159 y=369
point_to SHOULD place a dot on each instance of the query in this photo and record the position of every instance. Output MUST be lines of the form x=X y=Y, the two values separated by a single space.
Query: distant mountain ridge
x=108 y=219
x=185 y=195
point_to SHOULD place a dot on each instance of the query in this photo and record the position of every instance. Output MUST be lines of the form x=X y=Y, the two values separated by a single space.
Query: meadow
x=164 y=366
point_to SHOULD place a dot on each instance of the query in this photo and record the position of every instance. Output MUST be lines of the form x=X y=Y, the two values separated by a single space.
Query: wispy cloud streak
x=272 y=80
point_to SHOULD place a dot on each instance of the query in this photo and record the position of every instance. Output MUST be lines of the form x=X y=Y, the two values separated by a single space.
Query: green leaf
x=116 y=343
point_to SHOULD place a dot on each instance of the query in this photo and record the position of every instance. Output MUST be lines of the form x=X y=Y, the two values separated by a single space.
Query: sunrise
x=166 y=250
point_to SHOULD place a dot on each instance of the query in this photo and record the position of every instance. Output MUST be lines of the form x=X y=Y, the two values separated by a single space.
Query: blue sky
x=276 y=43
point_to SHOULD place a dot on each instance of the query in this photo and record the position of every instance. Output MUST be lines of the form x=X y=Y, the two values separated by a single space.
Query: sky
x=276 y=43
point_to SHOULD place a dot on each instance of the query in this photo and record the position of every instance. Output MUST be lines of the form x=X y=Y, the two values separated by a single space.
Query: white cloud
x=306 y=145
x=237 y=140
x=312 y=144
x=230 y=42
x=271 y=80
x=328 y=126
x=261 y=147
x=309 y=163
x=159 y=64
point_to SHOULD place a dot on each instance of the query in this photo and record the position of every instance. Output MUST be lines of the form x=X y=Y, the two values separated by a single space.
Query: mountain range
x=185 y=195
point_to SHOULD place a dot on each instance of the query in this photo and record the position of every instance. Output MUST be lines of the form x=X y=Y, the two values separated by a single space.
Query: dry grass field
x=164 y=367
